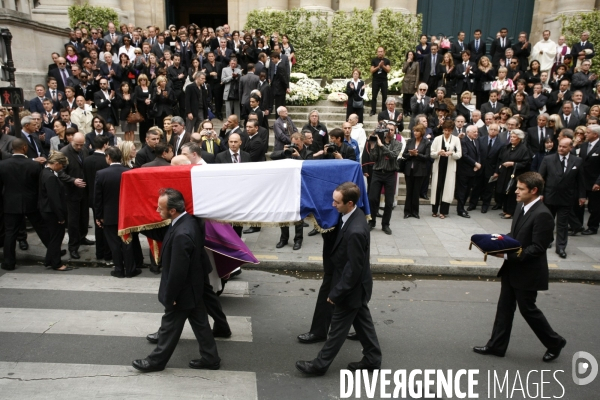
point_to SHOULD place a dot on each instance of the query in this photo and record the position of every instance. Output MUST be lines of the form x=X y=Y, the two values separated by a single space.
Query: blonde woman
x=167 y=129
x=465 y=108
x=484 y=76
x=555 y=122
x=445 y=150
x=504 y=86
x=129 y=152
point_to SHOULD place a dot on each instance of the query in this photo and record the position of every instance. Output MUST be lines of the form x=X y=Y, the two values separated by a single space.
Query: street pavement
x=73 y=335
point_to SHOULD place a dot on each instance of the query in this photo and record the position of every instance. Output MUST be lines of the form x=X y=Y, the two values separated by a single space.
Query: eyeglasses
x=173 y=30
x=513 y=63
x=423 y=90
x=62 y=63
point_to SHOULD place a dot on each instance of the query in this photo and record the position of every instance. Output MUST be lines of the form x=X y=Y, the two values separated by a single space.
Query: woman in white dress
x=445 y=150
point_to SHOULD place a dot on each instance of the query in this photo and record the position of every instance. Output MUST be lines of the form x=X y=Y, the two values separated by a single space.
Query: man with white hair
x=561 y=51
x=544 y=51
x=468 y=169
x=180 y=160
x=583 y=50
x=283 y=128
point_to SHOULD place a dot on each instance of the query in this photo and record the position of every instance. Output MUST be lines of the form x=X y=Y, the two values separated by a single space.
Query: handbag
x=486 y=86
x=401 y=164
x=511 y=182
x=358 y=103
x=135 y=117
x=445 y=44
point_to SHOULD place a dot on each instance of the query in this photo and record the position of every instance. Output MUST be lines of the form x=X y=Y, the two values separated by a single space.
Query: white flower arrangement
x=395 y=79
x=296 y=76
x=338 y=97
x=336 y=86
x=303 y=92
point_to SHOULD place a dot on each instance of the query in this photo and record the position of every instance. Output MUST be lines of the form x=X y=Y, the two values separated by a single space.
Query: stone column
x=274 y=4
x=573 y=6
x=403 y=6
x=316 y=5
x=349 y=5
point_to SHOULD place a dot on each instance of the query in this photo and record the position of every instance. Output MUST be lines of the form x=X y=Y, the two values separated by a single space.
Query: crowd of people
x=535 y=109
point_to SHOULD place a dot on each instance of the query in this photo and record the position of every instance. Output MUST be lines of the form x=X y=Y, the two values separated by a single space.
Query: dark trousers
x=217 y=93
x=12 y=224
x=122 y=252
x=78 y=215
x=561 y=213
x=505 y=313
x=576 y=217
x=56 y=233
x=102 y=249
x=171 y=327
x=285 y=233
x=594 y=209
x=146 y=124
x=386 y=180
x=191 y=125
x=413 y=187
x=136 y=251
x=180 y=94
x=406 y=103
x=238 y=230
x=323 y=309
x=425 y=183
x=432 y=84
x=341 y=321
x=464 y=184
x=351 y=110
x=213 y=307
x=482 y=190
x=279 y=100
x=508 y=201
x=378 y=85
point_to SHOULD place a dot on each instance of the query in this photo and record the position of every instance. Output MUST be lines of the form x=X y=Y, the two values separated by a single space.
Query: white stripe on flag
x=261 y=192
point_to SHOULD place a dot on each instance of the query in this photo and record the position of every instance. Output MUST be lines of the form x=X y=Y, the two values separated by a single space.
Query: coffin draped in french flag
x=273 y=193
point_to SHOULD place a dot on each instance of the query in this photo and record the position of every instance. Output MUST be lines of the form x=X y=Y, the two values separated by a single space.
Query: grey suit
x=231 y=106
x=248 y=83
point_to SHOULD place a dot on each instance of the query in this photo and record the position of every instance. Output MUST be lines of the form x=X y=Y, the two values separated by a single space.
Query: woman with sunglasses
x=172 y=38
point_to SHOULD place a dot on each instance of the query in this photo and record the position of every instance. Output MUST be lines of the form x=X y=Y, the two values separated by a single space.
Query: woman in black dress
x=164 y=100
x=416 y=154
x=52 y=203
x=126 y=103
x=532 y=76
x=143 y=101
x=514 y=159
x=355 y=89
x=484 y=76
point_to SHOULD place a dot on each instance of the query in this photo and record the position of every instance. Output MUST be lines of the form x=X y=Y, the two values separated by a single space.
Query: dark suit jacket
x=470 y=156
x=74 y=171
x=255 y=147
x=476 y=55
x=497 y=51
x=196 y=99
x=281 y=81
x=158 y=162
x=426 y=72
x=6 y=145
x=528 y=269
x=158 y=52
x=553 y=104
x=184 y=140
x=145 y=155
x=56 y=74
x=106 y=193
x=224 y=157
x=577 y=48
x=561 y=188
x=533 y=139
x=455 y=50
x=31 y=153
x=465 y=82
x=522 y=54
x=91 y=165
x=104 y=72
x=90 y=136
x=53 y=198
x=35 y=105
x=573 y=121
x=266 y=102
x=591 y=164
x=19 y=177
x=489 y=159
x=417 y=165
x=386 y=115
x=106 y=108
x=352 y=282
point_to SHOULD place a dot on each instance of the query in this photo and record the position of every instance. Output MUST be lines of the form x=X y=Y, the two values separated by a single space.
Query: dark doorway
x=448 y=17
x=202 y=13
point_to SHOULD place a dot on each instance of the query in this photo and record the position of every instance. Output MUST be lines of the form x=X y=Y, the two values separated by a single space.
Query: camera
x=332 y=148
x=290 y=150
x=380 y=132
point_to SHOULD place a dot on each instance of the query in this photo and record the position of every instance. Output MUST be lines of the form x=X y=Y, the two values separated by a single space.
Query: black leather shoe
x=8 y=267
x=484 y=209
x=314 y=232
x=235 y=273
x=152 y=338
x=371 y=225
x=75 y=254
x=305 y=225
x=280 y=244
x=471 y=208
x=407 y=216
x=353 y=366
x=87 y=242
x=552 y=354
x=425 y=197
x=575 y=232
x=297 y=245
x=63 y=252
x=371 y=113
x=23 y=245
x=251 y=230
x=464 y=214
x=352 y=336
x=203 y=364
x=386 y=229
x=416 y=216
x=550 y=245
x=136 y=272
x=310 y=338
x=379 y=215
x=561 y=253
x=497 y=207
x=222 y=333
x=589 y=231
x=116 y=274
x=145 y=366
x=487 y=351
x=307 y=368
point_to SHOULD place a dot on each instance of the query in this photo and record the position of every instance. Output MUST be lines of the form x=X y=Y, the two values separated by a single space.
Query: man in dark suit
x=263 y=132
x=493 y=105
x=477 y=47
x=420 y=103
x=6 y=145
x=432 y=71
x=499 y=47
x=280 y=83
x=233 y=154
x=99 y=129
x=525 y=272
x=77 y=198
x=196 y=103
x=19 y=185
x=569 y=120
x=104 y=99
x=255 y=144
x=351 y=287
x=266 y=98
x=465 y=70
x=61 y=74
x=91 y=165
x=458 y=47
x=146 y=153
x=248 y=83
x=35 y=150
x=260 y=64
x=536 y=135
x=163 y=153
x=590 y=152
x=182 y=286
x=468 y=169
x=180 y=136
x=392 y=114
x=36 y=104
x=583 y=50
x=522 y=51
x=54 y=94
x=159 y=47
x=489 y=146
x=563 y=174
x=106 y=207
x=557 y=97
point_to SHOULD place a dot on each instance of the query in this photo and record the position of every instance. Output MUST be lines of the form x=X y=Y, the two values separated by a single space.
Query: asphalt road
x=421 y=324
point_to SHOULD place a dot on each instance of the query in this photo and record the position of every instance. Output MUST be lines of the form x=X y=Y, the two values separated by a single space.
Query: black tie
x=33 y=144
x=490 y=143
x=564 y=163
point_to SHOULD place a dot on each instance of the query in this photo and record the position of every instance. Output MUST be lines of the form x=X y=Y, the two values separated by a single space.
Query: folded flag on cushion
x=495 y=243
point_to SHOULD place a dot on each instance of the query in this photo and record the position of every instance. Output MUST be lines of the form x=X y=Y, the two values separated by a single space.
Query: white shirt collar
x=231 y=152
x=346 y=216
x=528 y=206
x=566 y=157
x=114 y=163
x=173 y=222
x=594 y=142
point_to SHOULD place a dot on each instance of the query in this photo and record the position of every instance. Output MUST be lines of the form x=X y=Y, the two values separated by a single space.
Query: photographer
x=297 y=151
x=383 y=150
x=337 y=148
